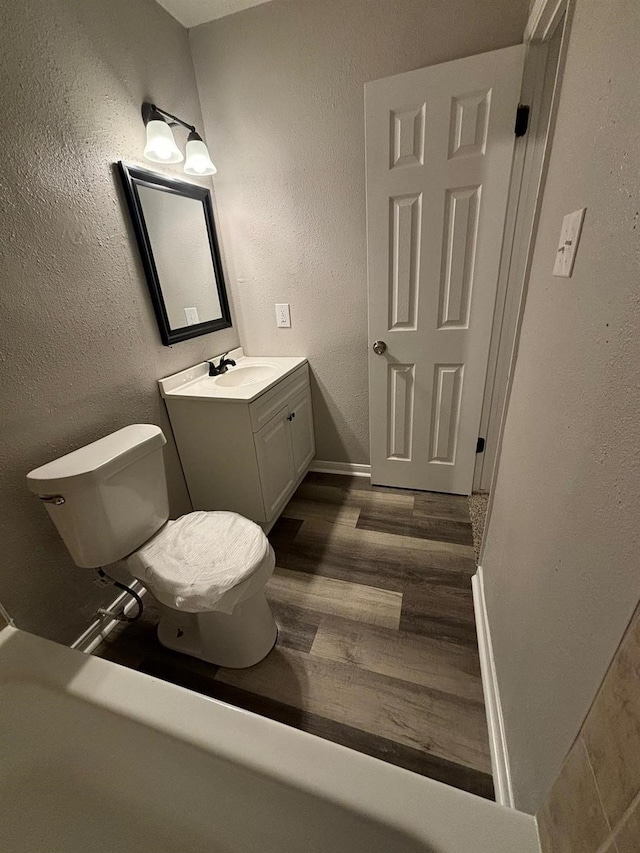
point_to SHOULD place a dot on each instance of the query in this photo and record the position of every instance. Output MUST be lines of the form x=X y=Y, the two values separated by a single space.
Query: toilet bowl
x=208 y=570
x=237 y=639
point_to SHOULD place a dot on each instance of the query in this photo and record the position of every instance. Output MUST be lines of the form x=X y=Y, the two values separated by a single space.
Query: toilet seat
x=204 y=561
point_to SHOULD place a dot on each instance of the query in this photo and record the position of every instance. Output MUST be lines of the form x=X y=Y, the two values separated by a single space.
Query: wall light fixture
x=161 y=146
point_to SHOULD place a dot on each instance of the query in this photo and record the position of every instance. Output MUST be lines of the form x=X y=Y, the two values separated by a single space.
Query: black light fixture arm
x=147 y=113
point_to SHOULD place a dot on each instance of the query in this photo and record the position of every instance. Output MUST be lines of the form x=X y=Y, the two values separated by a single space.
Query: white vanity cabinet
x=284 y=448
x=246 y=456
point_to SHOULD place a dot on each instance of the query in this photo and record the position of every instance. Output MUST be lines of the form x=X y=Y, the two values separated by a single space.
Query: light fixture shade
x=161 y=146
x=198 y=161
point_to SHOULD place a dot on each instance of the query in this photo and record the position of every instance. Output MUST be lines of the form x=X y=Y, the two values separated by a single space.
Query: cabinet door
x=275 y=461
x=302 y=437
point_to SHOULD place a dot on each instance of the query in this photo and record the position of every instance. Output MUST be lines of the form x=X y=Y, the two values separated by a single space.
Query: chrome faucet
x=224 y=365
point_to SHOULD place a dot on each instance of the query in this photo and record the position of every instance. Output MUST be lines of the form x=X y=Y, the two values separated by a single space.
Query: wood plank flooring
x=377 y=647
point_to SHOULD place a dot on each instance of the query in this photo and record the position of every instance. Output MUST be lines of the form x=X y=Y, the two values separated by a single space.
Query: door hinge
x=480 y=445
x=522 y=120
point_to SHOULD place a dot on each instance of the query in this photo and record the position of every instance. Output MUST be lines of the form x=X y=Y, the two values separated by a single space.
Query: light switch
x=568 y=245
x=192 y=316
x=283 y=315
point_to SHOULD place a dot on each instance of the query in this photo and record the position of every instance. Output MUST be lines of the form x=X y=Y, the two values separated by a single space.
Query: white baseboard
x=356 y=470
x=100 y=628
x=495 y=722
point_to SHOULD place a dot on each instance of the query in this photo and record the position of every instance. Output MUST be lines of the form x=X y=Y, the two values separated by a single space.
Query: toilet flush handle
x=52 y=499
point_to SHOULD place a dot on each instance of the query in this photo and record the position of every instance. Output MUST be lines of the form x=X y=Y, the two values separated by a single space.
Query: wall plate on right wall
x=568 y=245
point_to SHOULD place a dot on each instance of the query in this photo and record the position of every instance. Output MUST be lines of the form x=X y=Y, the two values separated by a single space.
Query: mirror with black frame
x=174 y=225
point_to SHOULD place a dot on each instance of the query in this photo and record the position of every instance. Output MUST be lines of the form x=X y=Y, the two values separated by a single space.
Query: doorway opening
x=446 y=294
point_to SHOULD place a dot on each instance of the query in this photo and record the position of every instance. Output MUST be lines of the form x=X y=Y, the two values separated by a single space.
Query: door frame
x=544 y=19
x=540 y=89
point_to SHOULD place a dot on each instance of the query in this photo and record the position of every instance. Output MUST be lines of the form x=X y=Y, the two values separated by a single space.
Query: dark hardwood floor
x=377 y=647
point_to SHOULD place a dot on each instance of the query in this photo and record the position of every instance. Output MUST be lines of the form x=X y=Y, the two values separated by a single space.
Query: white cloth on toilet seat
x=192 y=562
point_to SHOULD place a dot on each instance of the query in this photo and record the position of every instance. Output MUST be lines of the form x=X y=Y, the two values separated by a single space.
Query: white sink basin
x=251 y=377
x=236 y=377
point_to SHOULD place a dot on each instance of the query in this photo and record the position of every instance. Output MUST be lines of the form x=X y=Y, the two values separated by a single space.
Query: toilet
x=208 y=570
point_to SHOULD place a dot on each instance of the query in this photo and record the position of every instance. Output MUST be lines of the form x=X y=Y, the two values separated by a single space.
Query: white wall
x=281 y=88
x=80 y=349
x=562 y=558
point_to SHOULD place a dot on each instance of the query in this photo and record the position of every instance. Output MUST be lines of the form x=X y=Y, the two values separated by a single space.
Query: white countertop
x=196 y=384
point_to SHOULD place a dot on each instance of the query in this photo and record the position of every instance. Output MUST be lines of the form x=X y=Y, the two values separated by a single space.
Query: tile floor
x=377 y=647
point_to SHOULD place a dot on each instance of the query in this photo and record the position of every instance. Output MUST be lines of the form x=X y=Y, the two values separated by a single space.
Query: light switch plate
x=283 y=315
x=568 y=245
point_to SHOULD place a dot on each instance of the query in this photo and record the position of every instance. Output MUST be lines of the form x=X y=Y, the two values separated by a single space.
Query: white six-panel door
x=439 y=147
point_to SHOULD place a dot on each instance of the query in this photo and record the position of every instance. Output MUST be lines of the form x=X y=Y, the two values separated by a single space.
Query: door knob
x=379 y=347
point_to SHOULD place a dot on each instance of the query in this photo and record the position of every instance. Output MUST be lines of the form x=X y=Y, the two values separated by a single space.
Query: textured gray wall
x=80 y=350
x=281 y=88
x=562 y=561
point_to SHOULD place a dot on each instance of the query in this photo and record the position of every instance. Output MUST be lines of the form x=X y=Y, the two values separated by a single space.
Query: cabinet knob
x=291 y=416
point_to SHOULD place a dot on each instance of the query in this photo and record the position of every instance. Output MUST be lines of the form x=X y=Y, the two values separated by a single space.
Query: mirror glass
x=176 y=235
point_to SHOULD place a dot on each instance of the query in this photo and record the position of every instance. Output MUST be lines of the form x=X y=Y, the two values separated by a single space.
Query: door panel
x=406 y=217
x=302 y=435
x=445 y=412
x=400 y=407
x=439 y=146
x=275 y=462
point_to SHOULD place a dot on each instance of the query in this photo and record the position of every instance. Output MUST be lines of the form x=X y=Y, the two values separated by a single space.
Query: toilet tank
x=109 y=497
